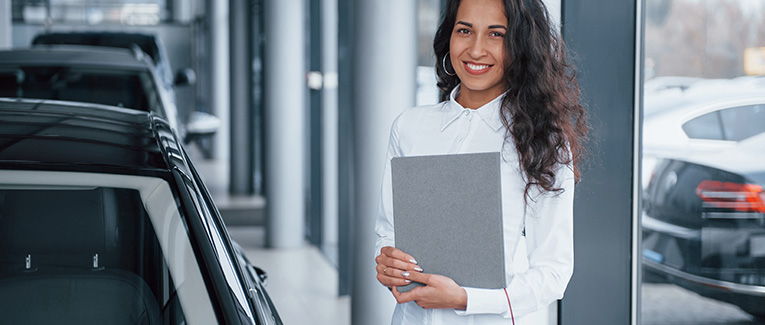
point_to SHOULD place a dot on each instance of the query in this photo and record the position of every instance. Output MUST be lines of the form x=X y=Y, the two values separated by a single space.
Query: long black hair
x=541 y=110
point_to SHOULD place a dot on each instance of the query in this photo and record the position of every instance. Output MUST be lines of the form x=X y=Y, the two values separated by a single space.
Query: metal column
x=6 y=24
x=603 y=35
x=329 y=137
x=384 y=64
x=285 y=116
x=345 y=197
x=314 y=31
x=217 y=27
x=242 y=140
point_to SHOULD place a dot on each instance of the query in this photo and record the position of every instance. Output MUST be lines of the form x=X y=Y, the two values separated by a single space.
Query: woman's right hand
x=391 y=265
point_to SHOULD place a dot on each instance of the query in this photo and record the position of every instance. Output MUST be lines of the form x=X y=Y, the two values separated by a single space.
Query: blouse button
x=467 y=113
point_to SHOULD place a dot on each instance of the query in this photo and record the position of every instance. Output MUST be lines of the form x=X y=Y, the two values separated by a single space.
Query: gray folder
x=447 y=213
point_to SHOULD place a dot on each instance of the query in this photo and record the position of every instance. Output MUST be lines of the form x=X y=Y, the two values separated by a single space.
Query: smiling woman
x=506 y=87
x=476 y=52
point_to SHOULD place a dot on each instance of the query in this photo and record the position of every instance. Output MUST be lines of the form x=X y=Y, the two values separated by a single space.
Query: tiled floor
x=664 y=303
x=301 y=282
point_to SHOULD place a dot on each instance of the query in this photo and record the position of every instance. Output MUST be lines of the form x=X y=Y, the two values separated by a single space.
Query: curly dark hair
x=541 y=110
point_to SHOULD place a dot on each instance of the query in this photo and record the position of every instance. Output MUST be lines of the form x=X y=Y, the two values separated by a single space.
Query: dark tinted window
x=82 y=256
x=115 y=88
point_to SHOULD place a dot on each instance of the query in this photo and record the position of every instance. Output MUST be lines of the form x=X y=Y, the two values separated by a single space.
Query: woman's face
x=477 y=49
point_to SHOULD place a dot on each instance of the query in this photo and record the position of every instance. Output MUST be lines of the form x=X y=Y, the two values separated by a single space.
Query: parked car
x=704 y=206
x=110 y=76
x=705 y=118
x=104 y=220
x=199 y=125
x=150 y=44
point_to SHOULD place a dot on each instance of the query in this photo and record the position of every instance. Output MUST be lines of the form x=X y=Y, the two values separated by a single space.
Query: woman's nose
x=477 y=48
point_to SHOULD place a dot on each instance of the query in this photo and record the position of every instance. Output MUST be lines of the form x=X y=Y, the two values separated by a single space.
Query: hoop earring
x=443 y=63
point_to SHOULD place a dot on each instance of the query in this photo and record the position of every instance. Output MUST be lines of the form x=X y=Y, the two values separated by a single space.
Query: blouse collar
x=489 y=112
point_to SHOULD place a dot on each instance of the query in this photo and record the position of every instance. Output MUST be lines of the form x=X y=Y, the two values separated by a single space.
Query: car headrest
x=59 y=221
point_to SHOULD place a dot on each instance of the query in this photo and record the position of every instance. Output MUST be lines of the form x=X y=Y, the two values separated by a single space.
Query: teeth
x=477 y=67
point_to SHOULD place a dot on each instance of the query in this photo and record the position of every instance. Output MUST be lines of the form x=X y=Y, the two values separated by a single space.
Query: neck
x=474 y=99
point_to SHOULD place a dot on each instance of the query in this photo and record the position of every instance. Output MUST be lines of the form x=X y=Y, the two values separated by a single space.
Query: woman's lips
x=477 y=68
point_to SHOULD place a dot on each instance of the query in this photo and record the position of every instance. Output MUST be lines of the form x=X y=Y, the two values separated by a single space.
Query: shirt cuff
x=381 y=242
x=484 y=301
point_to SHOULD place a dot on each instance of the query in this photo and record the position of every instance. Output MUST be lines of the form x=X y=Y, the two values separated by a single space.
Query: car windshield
x=130 y=89
x=96 y=255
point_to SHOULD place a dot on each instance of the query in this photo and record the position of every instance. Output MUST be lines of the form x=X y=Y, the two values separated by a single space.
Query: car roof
x=721 y=94
x=147 y=42
x=75 y=55
x=58 y=135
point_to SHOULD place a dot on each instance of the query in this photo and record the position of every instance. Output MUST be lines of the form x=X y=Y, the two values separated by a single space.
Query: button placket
x=464 y=129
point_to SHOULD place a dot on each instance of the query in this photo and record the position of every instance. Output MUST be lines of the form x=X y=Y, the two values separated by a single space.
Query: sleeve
x=384 y=219
x=550 y=245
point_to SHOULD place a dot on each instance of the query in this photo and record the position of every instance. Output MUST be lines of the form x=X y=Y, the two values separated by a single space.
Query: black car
x=100 y=75
x=150 y=44
x=104 y=220
x=704 y=224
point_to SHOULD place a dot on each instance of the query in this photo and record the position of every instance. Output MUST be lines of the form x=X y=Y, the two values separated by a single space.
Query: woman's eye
x=497 y=34
x=463 y=31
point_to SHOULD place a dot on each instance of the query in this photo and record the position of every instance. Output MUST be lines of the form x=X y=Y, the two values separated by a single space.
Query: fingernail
x=412 y=261
x=418 y=269
x=405 y=274
x=408 y=281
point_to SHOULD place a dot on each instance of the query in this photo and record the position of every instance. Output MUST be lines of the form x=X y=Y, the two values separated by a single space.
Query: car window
x=152 y=95
x=129 y=89
x=83 y=256
x=707 y=126
x=743 y=122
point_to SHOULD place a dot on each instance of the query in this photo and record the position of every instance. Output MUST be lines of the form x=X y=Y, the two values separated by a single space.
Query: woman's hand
x=393 y=266
x=439 y=292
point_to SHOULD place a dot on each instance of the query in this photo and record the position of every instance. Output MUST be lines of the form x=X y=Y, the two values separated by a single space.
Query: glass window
x=82 y=256
x=744 y=122
x=707 y=126
x=428 y=15
x=141 y=12
x=703 y=209
x=108 y=87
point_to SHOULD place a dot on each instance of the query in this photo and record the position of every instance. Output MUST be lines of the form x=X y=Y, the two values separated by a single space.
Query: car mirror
x=201 y=124
x=185 y=77
x=261 y=274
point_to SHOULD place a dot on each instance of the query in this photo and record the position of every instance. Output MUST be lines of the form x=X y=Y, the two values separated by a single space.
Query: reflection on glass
x=142 y=12
x=83 y=255
x=703 y=235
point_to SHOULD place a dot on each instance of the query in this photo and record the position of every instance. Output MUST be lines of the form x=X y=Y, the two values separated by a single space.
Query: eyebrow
x=490 y=26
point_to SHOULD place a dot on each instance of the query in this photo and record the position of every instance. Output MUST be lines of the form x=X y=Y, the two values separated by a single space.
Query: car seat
x=55 y=247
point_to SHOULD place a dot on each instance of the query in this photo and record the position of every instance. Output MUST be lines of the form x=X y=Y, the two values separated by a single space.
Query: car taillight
x=732 y=196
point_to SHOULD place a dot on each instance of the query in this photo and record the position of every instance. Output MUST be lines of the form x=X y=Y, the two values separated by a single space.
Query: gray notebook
x=447 y=213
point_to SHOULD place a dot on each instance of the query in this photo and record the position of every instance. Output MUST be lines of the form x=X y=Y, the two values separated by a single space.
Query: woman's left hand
x=439 y=292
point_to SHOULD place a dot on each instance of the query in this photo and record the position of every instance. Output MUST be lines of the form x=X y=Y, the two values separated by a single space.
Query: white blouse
x=532 y=283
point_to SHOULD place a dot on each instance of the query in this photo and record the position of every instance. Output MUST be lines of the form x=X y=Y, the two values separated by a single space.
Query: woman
x=506 y=88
